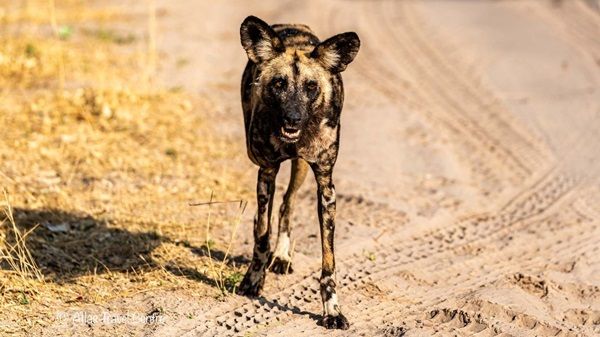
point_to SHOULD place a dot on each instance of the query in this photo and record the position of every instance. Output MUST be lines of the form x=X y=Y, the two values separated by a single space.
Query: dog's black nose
x=292 y=120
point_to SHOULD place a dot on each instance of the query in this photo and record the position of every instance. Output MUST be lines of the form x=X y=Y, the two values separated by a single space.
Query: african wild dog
x=292 y=97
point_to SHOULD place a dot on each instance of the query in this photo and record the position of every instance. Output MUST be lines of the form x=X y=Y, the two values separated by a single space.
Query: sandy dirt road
x=468 y=178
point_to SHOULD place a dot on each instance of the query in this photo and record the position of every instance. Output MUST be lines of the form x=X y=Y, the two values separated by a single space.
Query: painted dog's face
x=293 y=80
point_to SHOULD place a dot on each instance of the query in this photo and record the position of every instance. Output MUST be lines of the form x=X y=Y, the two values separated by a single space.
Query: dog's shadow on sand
x=67 y=245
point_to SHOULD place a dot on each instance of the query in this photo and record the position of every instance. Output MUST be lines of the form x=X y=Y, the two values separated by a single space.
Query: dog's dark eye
x=311 y=86
x=278 y=84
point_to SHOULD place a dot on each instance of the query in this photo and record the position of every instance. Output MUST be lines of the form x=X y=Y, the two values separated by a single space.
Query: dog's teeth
x=290 y=134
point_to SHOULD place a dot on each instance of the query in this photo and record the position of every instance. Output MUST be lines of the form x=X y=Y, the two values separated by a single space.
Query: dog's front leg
x=332 y=315
x=254 y=279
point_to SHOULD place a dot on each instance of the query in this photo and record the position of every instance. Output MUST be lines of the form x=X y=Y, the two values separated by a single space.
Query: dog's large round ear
x=337 y=52
x=260 y=40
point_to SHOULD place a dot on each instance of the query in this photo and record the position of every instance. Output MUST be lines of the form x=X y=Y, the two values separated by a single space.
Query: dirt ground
x=468 y=180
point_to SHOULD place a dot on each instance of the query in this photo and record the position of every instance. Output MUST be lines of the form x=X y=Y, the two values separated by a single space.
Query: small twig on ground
x=216 y=202
x=208 y=248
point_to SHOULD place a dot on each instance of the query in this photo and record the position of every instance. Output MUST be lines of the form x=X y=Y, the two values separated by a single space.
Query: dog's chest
x=323 y=146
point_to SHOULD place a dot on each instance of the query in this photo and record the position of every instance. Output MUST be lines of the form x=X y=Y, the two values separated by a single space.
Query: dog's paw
x=334 y=322
x=252 y=284
x=281 y=265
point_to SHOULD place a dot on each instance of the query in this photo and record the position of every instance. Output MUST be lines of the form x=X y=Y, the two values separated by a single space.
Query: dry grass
x=40 y=12
x=15 y=252
x=226 y=282
x=99 y=165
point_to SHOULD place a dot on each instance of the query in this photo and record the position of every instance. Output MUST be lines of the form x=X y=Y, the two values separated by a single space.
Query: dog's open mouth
x=290 y=135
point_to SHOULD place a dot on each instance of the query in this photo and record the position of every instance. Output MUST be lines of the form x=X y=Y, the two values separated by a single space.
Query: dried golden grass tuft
x=14 y=251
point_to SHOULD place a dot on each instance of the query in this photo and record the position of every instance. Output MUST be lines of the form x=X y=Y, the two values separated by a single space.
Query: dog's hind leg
x=265 y=190
x=281 y=262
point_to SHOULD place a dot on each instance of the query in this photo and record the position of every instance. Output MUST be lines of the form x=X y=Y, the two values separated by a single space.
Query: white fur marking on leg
x=326 y=201
x=331 y=307
x=283 y=246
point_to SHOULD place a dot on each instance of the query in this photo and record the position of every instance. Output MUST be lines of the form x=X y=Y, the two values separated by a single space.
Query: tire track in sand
x=235 y=318
x=486 y=135
x=569 y=236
